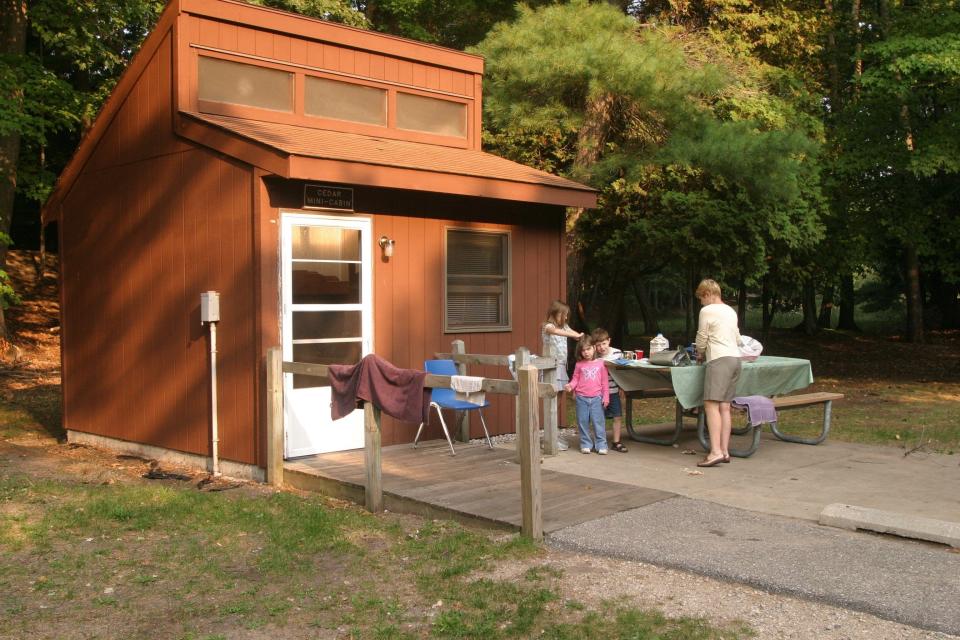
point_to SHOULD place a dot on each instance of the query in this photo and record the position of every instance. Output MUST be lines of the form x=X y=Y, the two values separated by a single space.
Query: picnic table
x=766 y=376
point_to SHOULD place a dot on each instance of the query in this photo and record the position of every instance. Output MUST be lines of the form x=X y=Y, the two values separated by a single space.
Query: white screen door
x=327 y=304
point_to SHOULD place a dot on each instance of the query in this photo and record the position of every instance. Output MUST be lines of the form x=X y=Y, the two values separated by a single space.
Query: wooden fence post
x=551 y=432
x=373 y=495
x=527 y=442
x=275 y=416
x=521 y=359
x=457 y=347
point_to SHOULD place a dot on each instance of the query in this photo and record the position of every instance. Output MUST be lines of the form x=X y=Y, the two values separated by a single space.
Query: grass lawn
x=144 y=559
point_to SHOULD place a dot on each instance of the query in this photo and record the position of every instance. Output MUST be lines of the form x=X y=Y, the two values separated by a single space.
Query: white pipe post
x=214 y=431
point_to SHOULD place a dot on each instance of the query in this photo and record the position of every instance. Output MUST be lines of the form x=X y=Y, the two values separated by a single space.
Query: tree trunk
x=742 y=306
x=688 y=303
x=846 y=320
x=647 y=310
x=590 y=140
x=858 y=47
x=914 y=298
x=833 y=67
x=944 y=296
x=620 y=328
x=825 y=319
x=13 y=43
x=809 y=324
x=614 y=316
x=767 y=313
x=911 y=260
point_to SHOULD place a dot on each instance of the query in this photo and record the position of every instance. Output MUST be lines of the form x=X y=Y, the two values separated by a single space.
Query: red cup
x=639 y=354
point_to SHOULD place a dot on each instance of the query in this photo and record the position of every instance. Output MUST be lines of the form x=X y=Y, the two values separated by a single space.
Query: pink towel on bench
x=760 y=408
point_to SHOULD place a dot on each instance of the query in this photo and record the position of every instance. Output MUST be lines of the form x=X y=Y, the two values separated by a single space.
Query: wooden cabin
x=328 y=183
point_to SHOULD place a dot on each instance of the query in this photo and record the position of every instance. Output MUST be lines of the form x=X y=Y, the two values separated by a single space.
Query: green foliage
x=451 y=23
x=698 y=144
x=547 y=66
x=340 y=11
x=33 y=101
x=899 y=166
x=75 y=51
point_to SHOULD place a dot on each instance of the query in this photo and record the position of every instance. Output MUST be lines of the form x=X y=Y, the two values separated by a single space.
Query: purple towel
x=759 y=408
x=398 y=392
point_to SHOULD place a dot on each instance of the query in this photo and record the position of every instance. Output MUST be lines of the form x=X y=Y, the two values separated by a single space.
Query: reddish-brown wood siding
x=137 y=253
x=145 y=116
x=408 y=288
x=150 y=224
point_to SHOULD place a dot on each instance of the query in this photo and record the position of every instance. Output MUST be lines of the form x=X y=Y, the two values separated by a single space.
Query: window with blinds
x=477 y=281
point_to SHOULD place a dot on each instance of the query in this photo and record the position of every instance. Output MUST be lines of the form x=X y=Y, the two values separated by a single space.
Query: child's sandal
x=618 y=446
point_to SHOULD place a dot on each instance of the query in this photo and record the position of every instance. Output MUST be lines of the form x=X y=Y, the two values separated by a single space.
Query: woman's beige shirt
x=717 y=332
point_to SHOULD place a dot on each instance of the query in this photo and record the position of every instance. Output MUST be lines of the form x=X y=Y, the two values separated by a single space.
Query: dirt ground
x=29 y=377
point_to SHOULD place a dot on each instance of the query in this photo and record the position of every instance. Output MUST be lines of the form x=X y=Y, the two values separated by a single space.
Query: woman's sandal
x=618 y=446
x=707 y=462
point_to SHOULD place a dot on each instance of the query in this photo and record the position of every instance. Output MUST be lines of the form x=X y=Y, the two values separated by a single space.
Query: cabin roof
x=290 y=149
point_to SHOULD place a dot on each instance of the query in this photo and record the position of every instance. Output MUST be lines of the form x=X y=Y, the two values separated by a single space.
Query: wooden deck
x=478 y=484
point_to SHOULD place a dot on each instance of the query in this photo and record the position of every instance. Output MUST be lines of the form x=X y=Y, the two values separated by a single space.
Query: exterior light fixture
x=387 y=245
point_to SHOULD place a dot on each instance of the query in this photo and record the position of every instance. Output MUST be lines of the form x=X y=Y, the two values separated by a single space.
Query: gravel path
x=592 y=579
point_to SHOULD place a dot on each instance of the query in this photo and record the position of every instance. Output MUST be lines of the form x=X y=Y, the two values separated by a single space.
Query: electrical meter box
x=209 y=306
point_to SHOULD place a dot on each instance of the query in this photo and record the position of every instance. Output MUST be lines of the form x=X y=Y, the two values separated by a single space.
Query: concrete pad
x=785 y=478
x=847 y=516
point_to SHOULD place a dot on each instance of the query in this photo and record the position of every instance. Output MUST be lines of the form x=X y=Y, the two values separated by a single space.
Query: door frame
x=289 y=218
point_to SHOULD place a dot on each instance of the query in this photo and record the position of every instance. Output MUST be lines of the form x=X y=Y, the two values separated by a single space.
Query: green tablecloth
x=767 y=376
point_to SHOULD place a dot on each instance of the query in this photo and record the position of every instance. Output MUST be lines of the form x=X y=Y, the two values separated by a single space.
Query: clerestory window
x=244 y=84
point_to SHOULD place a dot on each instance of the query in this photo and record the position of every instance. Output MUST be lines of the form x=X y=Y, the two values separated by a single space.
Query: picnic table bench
x=781 y=403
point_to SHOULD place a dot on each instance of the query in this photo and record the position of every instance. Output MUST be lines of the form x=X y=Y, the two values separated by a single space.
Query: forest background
x=804 y=153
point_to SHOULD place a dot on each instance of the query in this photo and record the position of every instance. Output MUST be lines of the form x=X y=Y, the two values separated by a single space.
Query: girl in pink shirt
x=589 y=385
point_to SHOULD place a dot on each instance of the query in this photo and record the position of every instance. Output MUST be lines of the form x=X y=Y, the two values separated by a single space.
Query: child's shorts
x=614 y=410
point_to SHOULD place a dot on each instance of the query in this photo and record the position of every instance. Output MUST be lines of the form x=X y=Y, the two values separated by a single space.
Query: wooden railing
x=526 y=388
x=546 y=365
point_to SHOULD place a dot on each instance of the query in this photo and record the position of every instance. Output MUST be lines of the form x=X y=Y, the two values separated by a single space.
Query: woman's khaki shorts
x=720 y=379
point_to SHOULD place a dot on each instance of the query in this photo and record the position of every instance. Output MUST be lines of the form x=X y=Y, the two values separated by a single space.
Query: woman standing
x=718 y=340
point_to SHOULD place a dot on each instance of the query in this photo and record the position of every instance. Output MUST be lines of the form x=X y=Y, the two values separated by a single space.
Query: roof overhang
x=302 y=153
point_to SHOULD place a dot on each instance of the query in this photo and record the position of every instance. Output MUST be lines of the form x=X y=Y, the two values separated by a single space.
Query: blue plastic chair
x=446 y=399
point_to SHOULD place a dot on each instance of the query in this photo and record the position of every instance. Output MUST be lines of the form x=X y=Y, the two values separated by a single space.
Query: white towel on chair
x=468 y=389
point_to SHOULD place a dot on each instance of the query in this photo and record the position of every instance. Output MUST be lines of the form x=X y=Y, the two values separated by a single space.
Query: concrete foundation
x=228 y=468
